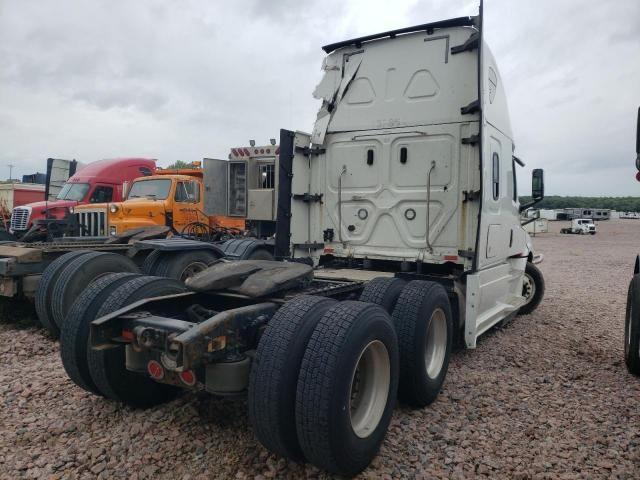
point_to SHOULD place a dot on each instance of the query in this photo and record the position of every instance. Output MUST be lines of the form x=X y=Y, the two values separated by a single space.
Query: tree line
x=554 y=202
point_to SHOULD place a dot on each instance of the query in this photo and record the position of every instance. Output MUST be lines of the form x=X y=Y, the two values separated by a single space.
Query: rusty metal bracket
x=190 y=348
x=308 y=197
x=308 y=151
x=473 y=107
x=470 y=254
x=472 y=140
x=470 y=195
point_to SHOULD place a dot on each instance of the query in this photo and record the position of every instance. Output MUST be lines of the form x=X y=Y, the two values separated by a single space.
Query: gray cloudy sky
x=186 y=79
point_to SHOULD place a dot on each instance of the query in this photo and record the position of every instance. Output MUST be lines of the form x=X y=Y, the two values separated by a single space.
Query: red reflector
x=188 y=378
x=278 y=151
x=246 y=151
x=155 y=370
x=127 y=335
x=234 y=152
x=329 y=250
x=453 y=258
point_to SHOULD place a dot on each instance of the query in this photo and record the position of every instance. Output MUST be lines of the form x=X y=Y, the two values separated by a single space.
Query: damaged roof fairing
x=331 y=91
x=341 y=67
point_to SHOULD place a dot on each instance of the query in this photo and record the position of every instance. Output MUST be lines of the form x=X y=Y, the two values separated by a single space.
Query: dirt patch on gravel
x=546 y=396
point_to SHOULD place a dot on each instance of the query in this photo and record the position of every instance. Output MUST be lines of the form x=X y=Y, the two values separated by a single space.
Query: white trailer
x=398 y=224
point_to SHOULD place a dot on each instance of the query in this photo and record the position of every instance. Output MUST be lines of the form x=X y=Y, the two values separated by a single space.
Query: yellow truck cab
x=172 y=197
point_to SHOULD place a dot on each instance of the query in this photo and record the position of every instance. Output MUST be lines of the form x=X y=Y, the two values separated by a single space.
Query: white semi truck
x=580 y=226
x=398 y=234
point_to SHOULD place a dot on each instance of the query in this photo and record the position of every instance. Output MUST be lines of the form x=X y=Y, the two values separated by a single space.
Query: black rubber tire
x=45 y=289
x=174 y=264
x=535 y=275
x=107 y=367
x=79 y=274
x=323 y=408
x=74 y=335
x=149 y=264
x=261 y=254
x=274 y=373
x=412 y=318
x=383 y=291
x=632 y=327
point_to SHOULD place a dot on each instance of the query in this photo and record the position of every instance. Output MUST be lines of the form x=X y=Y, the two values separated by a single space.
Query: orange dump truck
x=172 y=197
x=215 y=195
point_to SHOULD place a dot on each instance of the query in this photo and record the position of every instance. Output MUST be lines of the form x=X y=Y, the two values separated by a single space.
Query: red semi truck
x=98 y=182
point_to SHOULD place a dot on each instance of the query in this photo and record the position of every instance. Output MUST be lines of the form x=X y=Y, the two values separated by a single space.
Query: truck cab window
x=101 y=195
x=187 y=192
x=266 y=176
x=73 y=191
x=496 y=176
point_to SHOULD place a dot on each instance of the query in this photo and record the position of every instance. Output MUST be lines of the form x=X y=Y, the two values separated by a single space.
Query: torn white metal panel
x=328 y=86
x=331 y=95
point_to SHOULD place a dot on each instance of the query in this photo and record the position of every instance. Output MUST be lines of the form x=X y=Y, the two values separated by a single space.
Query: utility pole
x=11 y=165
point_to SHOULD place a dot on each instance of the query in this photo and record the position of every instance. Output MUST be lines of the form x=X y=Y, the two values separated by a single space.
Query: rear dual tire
x=45 y=290
x=74 y=278
x=383 y=291
x=108 y=367
x=74 y=337
x=424 y=324
x=104 y=372
x=274 y=374
x=324 y=382
x=347 y=387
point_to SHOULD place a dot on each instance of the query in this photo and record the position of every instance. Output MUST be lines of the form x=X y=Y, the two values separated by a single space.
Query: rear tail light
x=127 y=335
x=188 y=378
x=155 y=370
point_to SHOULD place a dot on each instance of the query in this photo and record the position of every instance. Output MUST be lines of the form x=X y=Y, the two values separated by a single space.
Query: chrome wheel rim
x=369 y=391
x=192 y=269
x=435 y=343
x=528 y=288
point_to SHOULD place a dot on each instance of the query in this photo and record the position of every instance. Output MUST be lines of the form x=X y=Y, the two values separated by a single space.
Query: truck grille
x=20 y=218
x=93 y=223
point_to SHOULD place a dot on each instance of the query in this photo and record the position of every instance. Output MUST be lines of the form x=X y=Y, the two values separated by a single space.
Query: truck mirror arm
x=527 y=206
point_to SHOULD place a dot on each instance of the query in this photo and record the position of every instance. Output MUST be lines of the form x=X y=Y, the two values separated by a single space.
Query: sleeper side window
x=515 y=182
x=496 y=176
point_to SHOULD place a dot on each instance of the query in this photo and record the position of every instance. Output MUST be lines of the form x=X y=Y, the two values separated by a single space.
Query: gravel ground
x=546 y=396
